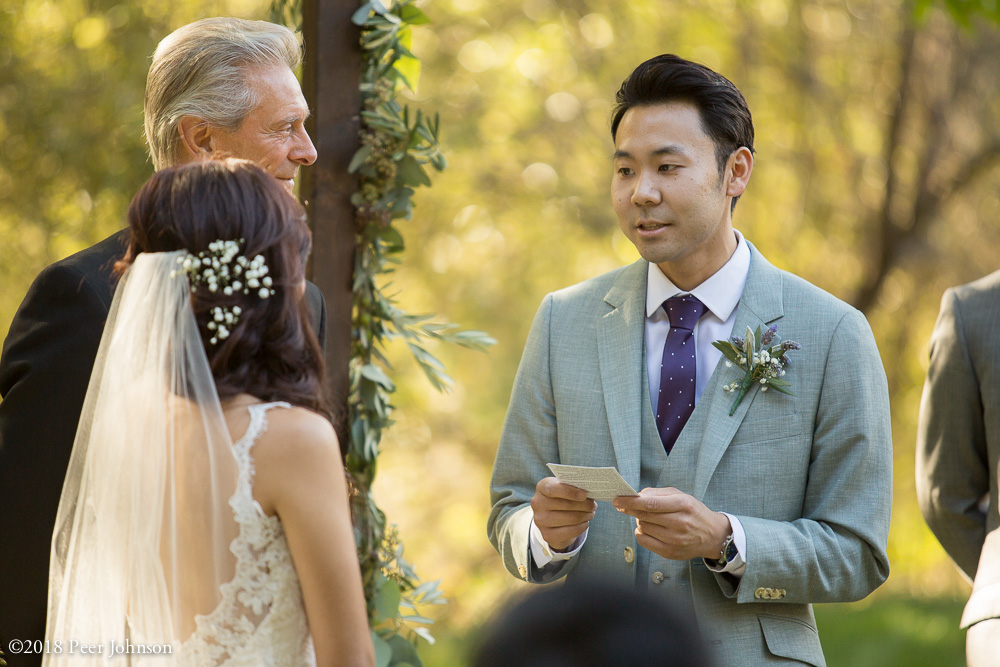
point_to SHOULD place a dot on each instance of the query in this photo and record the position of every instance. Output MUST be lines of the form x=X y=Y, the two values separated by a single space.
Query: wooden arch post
x=330 y=78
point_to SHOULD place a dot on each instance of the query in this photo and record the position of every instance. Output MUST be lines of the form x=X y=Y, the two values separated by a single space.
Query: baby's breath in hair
x=223 y=268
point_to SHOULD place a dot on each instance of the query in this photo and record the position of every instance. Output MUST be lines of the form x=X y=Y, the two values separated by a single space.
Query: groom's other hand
x=675 y=525
x=561 y=512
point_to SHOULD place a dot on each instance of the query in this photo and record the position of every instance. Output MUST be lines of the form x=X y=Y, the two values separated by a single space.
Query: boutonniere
x=761 y=359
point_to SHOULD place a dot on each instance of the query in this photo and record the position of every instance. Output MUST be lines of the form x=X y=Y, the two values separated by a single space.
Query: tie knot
x=684 y=311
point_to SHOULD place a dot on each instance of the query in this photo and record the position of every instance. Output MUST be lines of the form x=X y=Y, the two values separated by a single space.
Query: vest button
x=657 y=577
x=629 y=554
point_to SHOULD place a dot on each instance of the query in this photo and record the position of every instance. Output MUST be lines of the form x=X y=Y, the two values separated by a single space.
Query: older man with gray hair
x=216 y=87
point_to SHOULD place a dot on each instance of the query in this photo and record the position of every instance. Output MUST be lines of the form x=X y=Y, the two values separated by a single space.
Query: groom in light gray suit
x=958 y=452
x=747 y=515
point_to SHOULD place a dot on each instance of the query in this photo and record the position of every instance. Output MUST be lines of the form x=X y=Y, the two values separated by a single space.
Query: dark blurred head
x=725 y=116
x=591 y=624
x=271 y=352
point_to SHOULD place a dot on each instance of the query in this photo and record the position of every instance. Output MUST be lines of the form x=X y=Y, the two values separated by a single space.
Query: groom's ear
x=198 y=137
x=738 y=169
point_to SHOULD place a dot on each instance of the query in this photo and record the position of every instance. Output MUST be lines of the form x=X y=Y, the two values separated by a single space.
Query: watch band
x=729 y=551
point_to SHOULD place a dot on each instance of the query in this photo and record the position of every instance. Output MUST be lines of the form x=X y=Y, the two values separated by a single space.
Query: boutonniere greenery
x=761 y=358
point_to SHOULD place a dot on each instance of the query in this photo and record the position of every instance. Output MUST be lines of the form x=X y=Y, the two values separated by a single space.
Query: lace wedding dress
x=158 y=540
x=261 y=619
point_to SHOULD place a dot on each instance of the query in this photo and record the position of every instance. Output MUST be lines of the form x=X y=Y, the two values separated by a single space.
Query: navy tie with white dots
x=675 y=401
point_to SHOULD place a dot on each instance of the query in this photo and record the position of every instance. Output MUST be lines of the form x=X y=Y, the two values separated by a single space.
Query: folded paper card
x=600 y=483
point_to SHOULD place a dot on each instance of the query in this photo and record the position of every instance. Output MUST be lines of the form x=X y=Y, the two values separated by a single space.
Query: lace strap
x=258 y=424
x=243 y=501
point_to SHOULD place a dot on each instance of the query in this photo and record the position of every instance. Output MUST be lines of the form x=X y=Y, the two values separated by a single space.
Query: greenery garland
x=396 y=146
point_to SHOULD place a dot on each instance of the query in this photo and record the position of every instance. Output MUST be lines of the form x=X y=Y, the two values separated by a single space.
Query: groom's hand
x=562 y=512
x=674 y=525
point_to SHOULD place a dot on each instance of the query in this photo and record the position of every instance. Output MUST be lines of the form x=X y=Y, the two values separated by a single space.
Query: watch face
x=731 y=551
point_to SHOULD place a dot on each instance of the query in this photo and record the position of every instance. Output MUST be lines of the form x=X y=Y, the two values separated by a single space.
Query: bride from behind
x=204 y=517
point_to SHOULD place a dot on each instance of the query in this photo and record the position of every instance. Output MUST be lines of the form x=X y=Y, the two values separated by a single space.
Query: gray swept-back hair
x=203 y=69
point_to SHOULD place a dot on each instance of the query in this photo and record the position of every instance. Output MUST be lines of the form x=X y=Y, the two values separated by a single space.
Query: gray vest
x=658 y=470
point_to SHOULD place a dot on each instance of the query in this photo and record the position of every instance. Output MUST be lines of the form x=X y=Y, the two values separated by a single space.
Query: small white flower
x=237 y=310
x=227 y=290
x=263 y=293
x=267 y=281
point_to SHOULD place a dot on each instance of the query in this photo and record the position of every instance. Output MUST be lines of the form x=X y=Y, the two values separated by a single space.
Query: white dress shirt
x=721 y=294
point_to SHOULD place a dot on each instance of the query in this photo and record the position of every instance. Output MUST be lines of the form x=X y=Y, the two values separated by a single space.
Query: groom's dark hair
x=725 y=116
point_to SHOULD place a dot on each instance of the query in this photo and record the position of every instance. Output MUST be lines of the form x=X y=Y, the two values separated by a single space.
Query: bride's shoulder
x=297 y=432
x=297 y=457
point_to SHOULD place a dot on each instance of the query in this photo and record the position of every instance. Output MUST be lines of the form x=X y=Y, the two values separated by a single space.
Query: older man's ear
x=198 y=138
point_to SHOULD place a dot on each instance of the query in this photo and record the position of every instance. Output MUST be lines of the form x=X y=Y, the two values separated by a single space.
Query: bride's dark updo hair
x=272 y=351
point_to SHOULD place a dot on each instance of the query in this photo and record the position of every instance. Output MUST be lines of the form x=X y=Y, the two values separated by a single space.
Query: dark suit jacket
x=958 y=439
x=45 y=368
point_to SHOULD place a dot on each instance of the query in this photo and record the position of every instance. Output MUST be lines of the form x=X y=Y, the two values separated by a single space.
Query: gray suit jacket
x=958 y=439
x=809 y=476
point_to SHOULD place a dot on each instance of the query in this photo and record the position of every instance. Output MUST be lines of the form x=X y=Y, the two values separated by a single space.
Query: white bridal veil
x=142 y=534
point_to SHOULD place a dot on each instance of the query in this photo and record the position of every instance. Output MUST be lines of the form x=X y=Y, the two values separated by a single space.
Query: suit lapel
x=620 y=336
x=760 y=305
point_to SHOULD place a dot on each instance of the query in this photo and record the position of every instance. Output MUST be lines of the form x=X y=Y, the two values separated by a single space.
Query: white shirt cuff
x=543 y=554
x=737 y=565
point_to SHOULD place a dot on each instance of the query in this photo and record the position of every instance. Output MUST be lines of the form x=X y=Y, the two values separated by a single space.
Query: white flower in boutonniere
x=760 y=358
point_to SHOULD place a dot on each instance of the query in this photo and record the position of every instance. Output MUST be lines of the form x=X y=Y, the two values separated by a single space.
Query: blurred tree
x=72 y=77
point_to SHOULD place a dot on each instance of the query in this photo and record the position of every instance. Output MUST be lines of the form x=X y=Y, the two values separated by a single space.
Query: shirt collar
x=720 y=293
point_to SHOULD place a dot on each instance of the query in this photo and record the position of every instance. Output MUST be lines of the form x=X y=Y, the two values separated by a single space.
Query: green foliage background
x=876 y=178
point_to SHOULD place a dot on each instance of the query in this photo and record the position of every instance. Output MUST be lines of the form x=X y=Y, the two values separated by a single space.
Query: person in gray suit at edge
x=752 y=506
x=958 y=452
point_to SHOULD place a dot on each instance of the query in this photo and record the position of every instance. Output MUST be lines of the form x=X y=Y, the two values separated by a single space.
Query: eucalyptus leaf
x=393 y=238
x=361 y=15
x=412 y=15
x=383 y=651
x=376 y=375
x=425 y=634
x=417 y=619
x=359 y=158
x=410 y=172
x=387 y=600
x=403 y=651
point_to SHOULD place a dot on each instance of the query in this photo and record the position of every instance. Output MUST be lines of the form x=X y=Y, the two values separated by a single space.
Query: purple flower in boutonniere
x=761 y=360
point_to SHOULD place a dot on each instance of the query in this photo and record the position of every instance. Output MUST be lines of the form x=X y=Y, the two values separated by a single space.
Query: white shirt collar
x=720 y=293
